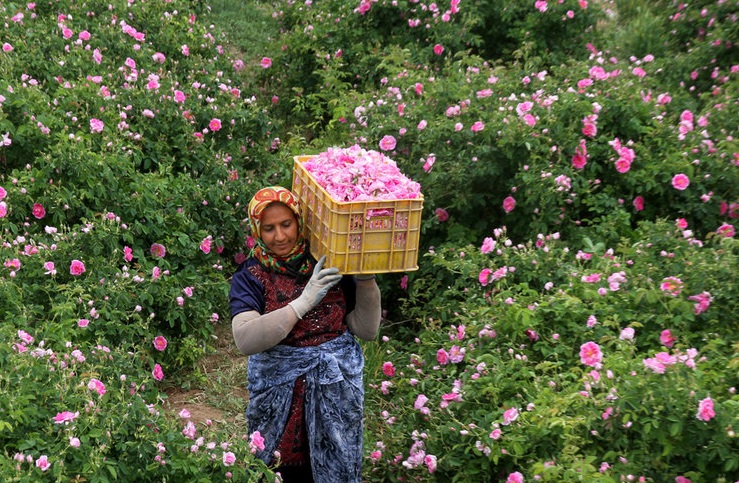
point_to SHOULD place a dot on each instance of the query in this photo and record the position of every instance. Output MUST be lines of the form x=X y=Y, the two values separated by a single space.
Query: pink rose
x=43 y=463
x=666 y=338
x=421 y=401
x=509 y=416
x=518 y=477
x=96 y=125
x=705 y=410
x=38 y=210
x=430 y=461
x=726 y=230
x=205 y=244
x=388 y=369
x=266 y=63
x=438 y=49
x=578 y=160
x=488 y=244
x=77 y=268
x=157 y=373
x=65 y=417
x=484 y=276
x=680 y=182
x=589 y=129
x=509 y=204
x=256 y=441
x=387 y=143
x=157 y=250
x=590 y=354
x=671 y=286
x=215 y=125
x=623 y=165
x=97 y=386
x=639 y=203
x=441 y=214
x=160 y=343
x=229 y=458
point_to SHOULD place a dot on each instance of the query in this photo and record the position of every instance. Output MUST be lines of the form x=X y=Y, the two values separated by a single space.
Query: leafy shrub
x=134 y=152
x=497 y=381
x=127 y=163
x=86 y=409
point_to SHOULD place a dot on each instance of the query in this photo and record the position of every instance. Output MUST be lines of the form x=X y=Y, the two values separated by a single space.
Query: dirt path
x=217 y=393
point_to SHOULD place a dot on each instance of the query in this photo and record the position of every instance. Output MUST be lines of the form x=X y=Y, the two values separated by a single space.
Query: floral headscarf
x=298 y=261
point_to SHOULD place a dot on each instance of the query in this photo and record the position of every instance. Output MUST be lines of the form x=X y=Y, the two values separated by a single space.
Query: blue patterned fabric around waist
x=334 y=403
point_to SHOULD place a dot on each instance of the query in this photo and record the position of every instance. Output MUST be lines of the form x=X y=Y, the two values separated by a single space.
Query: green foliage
x=190 y=130
x=113 y=431
x=513 y=342
x=158 y=170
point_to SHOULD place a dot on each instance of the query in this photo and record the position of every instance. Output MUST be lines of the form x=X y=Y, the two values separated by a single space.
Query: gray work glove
x=318 y=286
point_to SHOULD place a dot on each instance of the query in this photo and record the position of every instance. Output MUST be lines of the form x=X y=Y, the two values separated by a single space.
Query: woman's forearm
x=254 y=332
x=364 y=320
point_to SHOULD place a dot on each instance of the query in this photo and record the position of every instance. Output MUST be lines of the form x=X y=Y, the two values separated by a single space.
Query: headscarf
x=298 y=261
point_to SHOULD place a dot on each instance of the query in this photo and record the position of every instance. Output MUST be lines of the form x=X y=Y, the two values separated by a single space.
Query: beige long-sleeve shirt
x=254 y=332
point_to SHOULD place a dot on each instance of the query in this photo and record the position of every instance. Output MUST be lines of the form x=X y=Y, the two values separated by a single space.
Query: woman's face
x=279 y=229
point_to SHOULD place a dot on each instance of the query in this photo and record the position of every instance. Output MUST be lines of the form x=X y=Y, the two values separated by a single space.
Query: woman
x=298 y=321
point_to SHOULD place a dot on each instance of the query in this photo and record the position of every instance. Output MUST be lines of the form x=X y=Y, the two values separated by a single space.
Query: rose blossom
x=680 y=182
x=215 y=124
x=77 y=268
x=158 y=250
x=96 y=125
x=43 y=463
x=229 y=458
x=639 y=203
x=509 y=416
x=38 y=210
x=517 y=477
x=441 y=214
x=157 y=373
x=666 y=338
x=65 y=417
x=726 y=230
x=627 y=333
x=356 y=174
x=509 y=204
x=387 y=143
x=590 y=354
x=160 y=343
x=705 y=410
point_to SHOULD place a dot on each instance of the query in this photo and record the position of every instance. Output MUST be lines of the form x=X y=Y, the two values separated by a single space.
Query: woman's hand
x=318 y=286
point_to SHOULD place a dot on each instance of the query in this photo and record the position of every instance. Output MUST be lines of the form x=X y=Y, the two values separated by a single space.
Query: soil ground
x=217 y=391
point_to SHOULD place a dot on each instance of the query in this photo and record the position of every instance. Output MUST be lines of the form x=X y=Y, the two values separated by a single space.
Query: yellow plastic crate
x=358 y=236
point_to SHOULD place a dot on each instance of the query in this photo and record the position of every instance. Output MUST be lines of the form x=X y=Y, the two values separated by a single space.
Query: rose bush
x=563 y=364
x=592 y=338
x=127 y=157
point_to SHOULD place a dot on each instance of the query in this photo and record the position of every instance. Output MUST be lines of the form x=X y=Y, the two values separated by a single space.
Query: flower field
x=573 y=317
